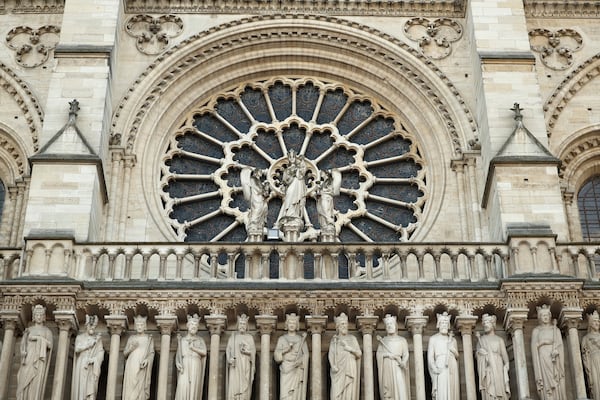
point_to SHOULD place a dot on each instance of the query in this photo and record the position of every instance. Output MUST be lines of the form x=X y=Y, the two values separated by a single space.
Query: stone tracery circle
x=258 y=124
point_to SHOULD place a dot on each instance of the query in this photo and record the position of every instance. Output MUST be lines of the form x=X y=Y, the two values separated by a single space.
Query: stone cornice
x=446 y=8
x=562 y=8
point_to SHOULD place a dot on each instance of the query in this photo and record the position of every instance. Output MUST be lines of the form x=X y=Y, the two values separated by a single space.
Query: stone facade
x=458 y=133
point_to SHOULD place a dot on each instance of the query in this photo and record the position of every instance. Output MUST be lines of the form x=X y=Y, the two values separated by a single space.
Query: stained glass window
x=258 y=125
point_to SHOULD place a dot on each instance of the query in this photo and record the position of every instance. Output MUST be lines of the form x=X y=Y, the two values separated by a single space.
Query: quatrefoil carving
x=32 y=46
x=153 y=33
x=556 y=48
x=435 y=37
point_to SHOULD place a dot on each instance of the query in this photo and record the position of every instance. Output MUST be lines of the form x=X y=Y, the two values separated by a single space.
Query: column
x=166 y=324
x=466 y=324
x=316 y=326
x=66 y=322
x=569 y=319
x=367 y=324
x=12 y=322
x=514 y=323
x=265 y=324
x=416 y=324
x=215 y=324
x=116 y=324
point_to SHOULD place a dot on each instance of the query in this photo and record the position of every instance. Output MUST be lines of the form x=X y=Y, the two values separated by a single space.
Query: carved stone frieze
x=454 y=8
x=435 y=37
x=562 y=8
x=32 y=46
x=556 y=48
x=34 y=6
x=153 y=34
x=523 y=294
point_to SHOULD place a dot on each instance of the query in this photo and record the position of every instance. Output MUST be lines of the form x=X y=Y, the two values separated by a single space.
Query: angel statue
x=256 y=191
x=327 y=187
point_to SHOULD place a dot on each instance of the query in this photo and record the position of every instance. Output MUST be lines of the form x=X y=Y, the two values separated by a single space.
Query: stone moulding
x=163 y=82
x=448 y=8
x=562 y=8
x=35 y=7
x=25 y=99
x=573 y=82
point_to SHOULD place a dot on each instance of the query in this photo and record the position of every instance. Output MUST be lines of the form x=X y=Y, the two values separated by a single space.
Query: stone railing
x=398 y=262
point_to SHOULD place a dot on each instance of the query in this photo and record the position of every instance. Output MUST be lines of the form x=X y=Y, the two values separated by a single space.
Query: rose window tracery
x=296 y=160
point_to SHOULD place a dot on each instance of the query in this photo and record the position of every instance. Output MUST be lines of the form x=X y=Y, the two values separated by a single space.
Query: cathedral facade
x=299 y=199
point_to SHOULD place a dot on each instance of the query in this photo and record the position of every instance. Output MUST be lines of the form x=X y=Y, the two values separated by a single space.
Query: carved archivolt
x=32 y=46
x=153 y=33
x=569 y=87
x=25 y=99
x=164 y=73
x=556 y=48
x=435 y=37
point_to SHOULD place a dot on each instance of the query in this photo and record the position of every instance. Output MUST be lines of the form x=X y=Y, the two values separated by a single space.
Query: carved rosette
x=153 y=33
x=32 y=46
x=556 y=48
x=435 y=37
x=258 y=125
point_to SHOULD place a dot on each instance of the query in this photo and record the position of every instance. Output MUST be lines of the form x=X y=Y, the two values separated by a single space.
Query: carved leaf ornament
x=32 y=46
x=435 y=37
x=259 y=125
x=153 y=33
x=556 y=48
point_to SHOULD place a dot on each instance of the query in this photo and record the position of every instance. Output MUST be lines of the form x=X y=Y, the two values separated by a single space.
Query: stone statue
x=492 y=362
x=89 y=355
x=327 y=187
x=294 y=201
x=590 y=348
x=548 y=357
x=442 y=359
x=291 y=353
x=139 y=353
x=392 y=363
x=241 y=362
x=344 y=360
x=256 y=191
x=36 y=350
x=190 y=361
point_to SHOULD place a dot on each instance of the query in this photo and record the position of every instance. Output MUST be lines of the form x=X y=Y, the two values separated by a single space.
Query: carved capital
x=367 y=324
x=570 y=317
x=416 y=323
x=515 y=320
x=66 y=320
x=11 y=320
x=215 y=323
x=466 y=324
x=116 y=324
x=166 y=323
x=266 y=323
x=316 y=324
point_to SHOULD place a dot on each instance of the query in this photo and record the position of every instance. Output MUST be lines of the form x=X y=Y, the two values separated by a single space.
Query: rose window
x=293 y=160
